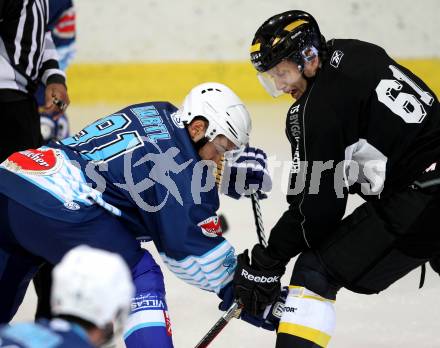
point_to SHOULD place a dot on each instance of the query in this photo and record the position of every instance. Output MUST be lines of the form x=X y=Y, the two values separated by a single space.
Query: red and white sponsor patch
x=35 y=161
x=65 y=27
x=167 y=323
x=211 y=227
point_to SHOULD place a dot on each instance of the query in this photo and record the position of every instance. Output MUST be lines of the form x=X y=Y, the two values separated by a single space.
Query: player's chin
x=296 y=93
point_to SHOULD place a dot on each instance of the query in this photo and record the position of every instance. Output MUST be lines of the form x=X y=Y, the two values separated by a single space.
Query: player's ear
x=197 y=129
x=311 y=67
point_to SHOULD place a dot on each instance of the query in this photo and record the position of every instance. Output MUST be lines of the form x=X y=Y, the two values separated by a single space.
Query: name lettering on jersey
x=211 y=227
x=147 y=302
x=152 y=122
x=336 y=58
x=295 y=131
x=35 y=162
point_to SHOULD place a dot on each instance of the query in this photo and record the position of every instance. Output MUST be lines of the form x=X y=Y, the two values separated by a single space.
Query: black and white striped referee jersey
x=27 y=52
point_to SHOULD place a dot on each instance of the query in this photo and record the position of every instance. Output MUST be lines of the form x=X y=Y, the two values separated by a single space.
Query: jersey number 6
x=405 y=105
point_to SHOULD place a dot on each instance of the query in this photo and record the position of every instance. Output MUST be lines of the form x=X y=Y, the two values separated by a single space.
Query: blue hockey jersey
x=44 y=334
x=140 y=165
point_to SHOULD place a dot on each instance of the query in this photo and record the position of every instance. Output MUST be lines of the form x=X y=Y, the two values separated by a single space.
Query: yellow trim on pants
x=313 y=335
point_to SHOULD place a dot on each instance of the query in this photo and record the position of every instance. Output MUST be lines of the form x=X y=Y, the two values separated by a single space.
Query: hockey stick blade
x=233 y=312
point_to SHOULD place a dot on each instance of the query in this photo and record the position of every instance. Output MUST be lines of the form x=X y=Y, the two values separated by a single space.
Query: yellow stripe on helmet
x=295 y=24
x=255 y=47
x=275 y=41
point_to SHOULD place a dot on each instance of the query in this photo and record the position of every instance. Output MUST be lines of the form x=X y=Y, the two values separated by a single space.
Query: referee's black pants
x=20 y=122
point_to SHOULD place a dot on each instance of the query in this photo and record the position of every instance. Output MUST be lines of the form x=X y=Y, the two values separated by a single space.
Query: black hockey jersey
x=365 y=124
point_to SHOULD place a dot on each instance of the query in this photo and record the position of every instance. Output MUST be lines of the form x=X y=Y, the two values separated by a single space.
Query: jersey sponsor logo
x=177 y=120
x=259 y=279
x=147 y=302
x=35 y=162
x=72 y=205
x=211 y=227
x=295 y=131
x=336 y=58
x=65 y=26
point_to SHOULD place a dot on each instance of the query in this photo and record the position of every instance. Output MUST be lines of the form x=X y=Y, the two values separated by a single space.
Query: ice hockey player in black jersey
x=361 y=123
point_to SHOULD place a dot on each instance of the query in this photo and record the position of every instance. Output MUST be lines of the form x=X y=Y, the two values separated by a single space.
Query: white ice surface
x=402 y=316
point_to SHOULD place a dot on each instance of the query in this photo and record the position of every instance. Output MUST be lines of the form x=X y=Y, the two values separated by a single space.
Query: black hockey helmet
x=286 y=35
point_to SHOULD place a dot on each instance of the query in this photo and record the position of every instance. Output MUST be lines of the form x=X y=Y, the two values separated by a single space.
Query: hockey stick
x=258 y=219
x=235 y=310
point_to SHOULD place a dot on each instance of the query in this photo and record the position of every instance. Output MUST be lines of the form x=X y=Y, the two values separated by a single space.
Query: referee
x=27 y=57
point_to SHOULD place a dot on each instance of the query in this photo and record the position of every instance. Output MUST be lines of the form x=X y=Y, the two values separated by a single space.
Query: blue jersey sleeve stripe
x=183 y=268
x=218 y=258
x=212 y=274
x=215 y=270
x=205 y=255
x=186 y=273
x=220 y=276
x=141 y=326
x=222 y=283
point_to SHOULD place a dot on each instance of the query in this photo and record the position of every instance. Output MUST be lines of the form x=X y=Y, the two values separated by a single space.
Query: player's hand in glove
x=56 y=99
x=257 y=285
x=268 y=320
x=247 y=174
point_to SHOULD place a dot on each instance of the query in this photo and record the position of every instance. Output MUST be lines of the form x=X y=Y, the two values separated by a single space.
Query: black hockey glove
x=257 y=285
x=268 y=320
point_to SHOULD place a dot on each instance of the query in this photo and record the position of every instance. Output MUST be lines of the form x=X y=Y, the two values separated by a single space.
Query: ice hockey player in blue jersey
x=92 y=289
x=145 y=171
x=62 y=25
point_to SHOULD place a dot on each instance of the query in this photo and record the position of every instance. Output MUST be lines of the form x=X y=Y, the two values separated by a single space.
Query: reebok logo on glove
x=261 y=279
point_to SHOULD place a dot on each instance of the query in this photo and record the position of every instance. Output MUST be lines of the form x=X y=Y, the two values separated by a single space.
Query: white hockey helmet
x=94 y=285
x=223 y=109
